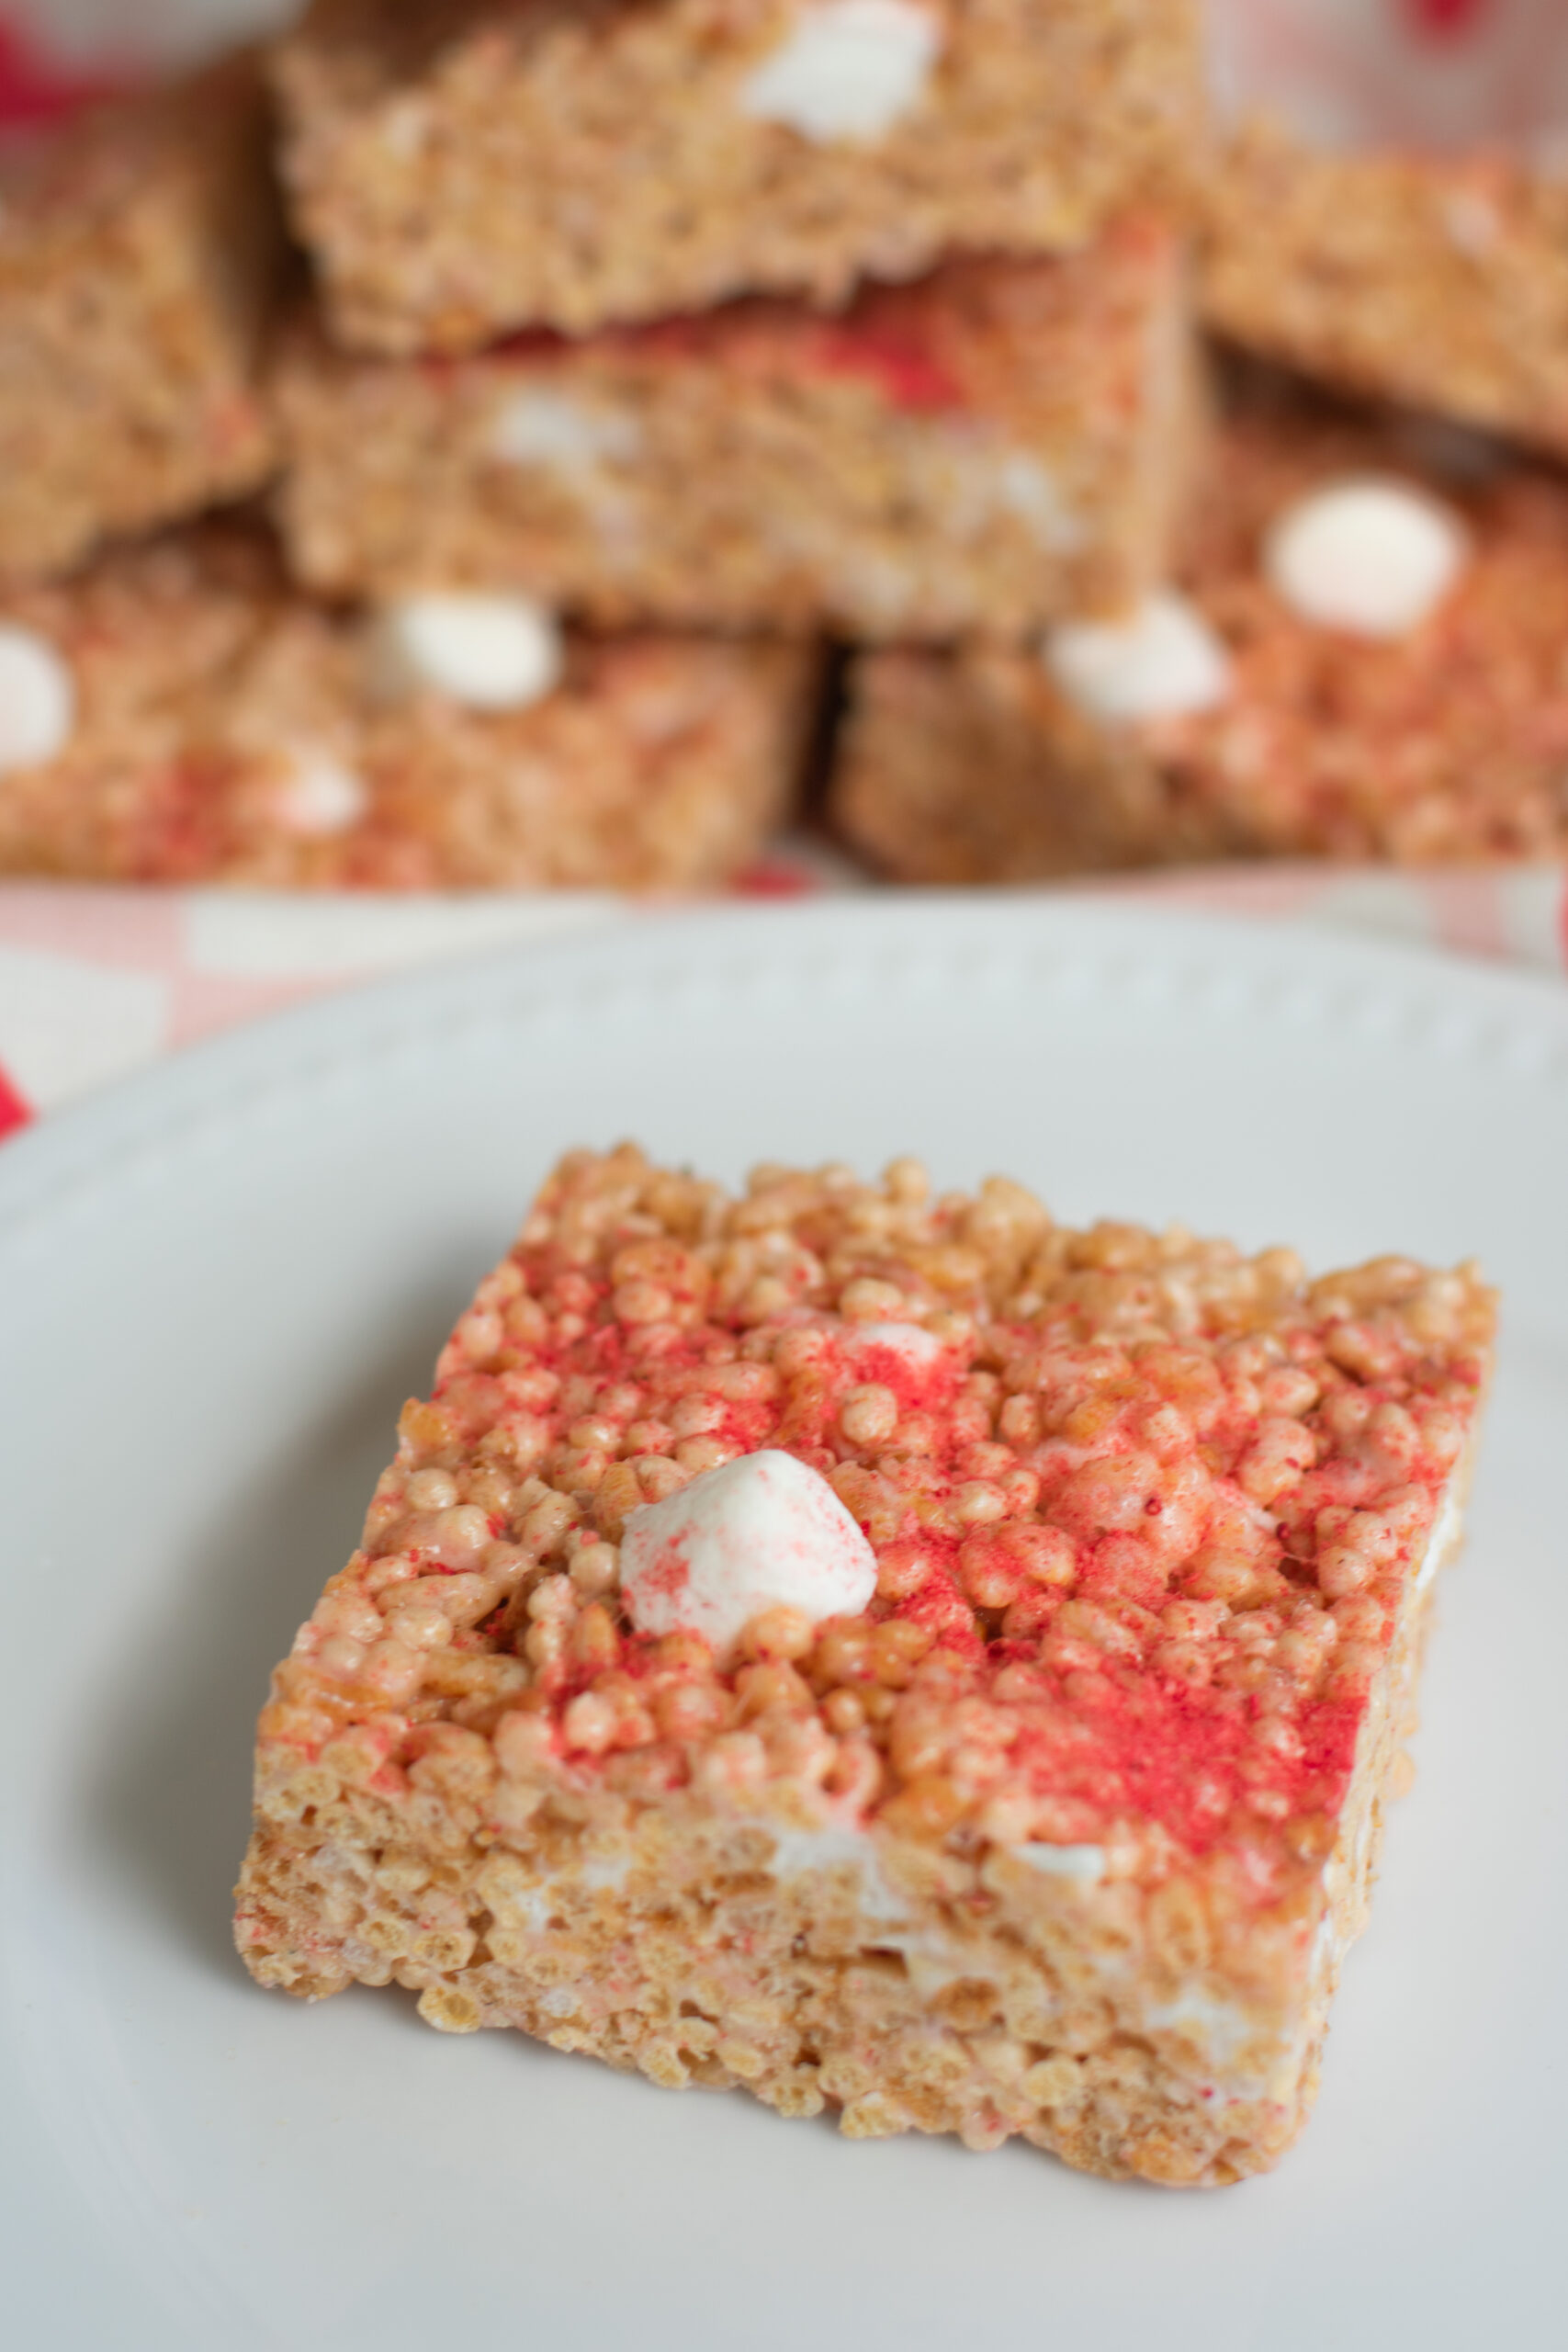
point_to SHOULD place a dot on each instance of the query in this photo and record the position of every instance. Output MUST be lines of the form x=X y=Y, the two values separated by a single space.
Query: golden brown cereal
x=426 y=147
x=226 y=729
x=1448 y=744
x=140 y=251
x=1064 y=1835
x=1436 y=280
x=1001 y=443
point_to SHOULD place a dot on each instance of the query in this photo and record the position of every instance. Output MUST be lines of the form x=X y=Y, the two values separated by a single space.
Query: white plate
x=216 y=1287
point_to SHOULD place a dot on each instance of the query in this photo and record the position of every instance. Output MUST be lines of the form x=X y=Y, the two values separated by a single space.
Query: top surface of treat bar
x=1146 y=1511
x=462 y=173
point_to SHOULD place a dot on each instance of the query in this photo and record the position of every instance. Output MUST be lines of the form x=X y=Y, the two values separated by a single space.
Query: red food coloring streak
x=1175 y=1756
x=523 y=344
x=920 y=1385
x=668 y=1575
x=33 y=91
x=683 y=336
x=1446 y=19
x=775 y=878
x=15 y=1108
x=941 y=1608
x=907 y=376
x=1119 y=1738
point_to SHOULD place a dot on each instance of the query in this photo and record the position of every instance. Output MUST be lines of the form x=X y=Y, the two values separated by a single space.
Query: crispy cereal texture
x=1449 y=744
x=1004 y=442
x=1440 y=283
x=228 y=729
x=140 y=251
x=1064 y=1836
x=460 y=171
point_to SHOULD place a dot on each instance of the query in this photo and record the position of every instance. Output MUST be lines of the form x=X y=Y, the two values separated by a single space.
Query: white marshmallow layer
x=37 y=699
x=1374 y=558
x=849 y=69
x=763 y=1531
x=1162 y=662
x=489 y=653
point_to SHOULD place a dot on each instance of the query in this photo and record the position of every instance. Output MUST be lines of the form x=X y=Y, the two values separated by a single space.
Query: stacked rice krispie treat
x=181 y=713
x=1388 y=211
x=606 y=317
x=1357 y=653
x=140 y=252
x=1361 y=658
x=462 y=171
x=893 y=1654
x=1442 y=281
x=639 y=350
x=177 y=705
x=720 y=329
x=858 y=316
x=990 y=449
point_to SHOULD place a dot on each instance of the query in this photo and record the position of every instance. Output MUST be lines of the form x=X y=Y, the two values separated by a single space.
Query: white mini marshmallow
x=37 y=699
x=1371 y=557
x=763 y=1531
x=1162 y=662
x=906 y=1339
x=316 y=796
x=538 y=428
x=849 y=69
x=491 y=652
x=1085 y=1863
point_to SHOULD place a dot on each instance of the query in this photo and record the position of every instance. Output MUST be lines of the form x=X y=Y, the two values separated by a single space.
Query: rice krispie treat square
x=999 y=445
x=894 y=1654
x=178 y=713
x=140 y=249
x=462 y=171
x=1436 y=280
x=1362 y=659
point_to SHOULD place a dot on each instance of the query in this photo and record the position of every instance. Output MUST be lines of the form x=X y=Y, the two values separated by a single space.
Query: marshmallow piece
x=491 y=652
x=316 y=796
x=37 y=699
x=1371 y=557
x=916 y=1347
x=536 y=428
x=1162 y=662
x=1085 y=1863
x=763 y=1531
x=848 y=69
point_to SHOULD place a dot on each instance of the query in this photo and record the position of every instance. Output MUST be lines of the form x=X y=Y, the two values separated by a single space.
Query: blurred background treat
x=1361 y=658
x=494 y=443
x=1391 y=214
x=140 y=253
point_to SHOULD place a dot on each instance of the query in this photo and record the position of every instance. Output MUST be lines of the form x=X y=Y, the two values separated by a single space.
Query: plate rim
x=166 y=1102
